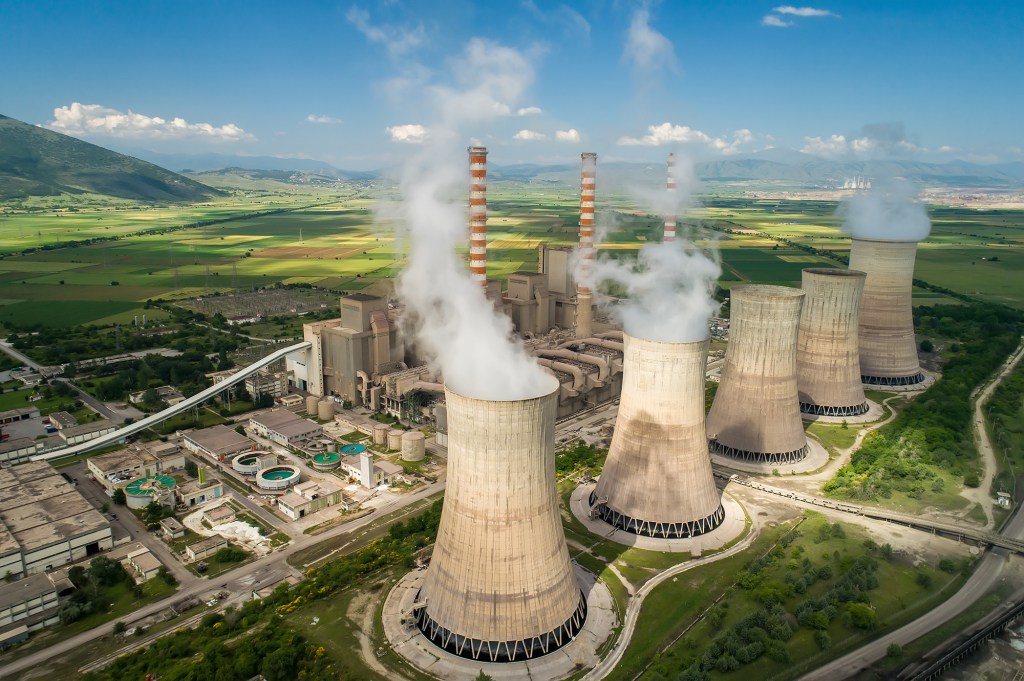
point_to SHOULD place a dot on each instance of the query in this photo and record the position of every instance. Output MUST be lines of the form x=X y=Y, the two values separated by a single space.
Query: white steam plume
x=456 y=327
x=888 y=211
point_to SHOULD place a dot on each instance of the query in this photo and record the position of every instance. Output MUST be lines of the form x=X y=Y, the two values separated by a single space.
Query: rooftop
x=86 y=428
x=123 y=459
x=208 y=543
x=360 y=297
x=19 y=411
x=144 y=560
x=22 y=590
x=219 y=440
x=63 y=419
x=387 y=467
x=171 y=524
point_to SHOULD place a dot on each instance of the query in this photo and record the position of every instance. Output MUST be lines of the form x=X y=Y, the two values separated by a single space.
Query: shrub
x=823 y=640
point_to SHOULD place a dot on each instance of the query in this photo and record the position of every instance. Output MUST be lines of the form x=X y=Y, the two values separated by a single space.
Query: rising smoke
x=888 y=211
x=456 y=327
x=668 y=288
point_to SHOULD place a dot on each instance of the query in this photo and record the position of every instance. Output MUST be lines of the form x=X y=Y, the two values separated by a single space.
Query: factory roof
x=219 y=440
x=121 y=460
x=16 y=443
x=19 y=411
x=86 y=428
x=219 y=513
x=62 y=419
x=361 y=297
x=144 y=560
x=387 y=467
x=284 y=422
x=33 y=586
x=193 y=486
x=171 y=524
x=208 y=543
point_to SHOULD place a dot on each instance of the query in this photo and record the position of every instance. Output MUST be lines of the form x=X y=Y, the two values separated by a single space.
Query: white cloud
x=803 y=11
x=323 y=119
x=529 y=136
x=397 y=40
x=529 y=111
x=570 y=135
x=945 y=148
x=878 y=139
x=646 y=48
x=563 y=16
x=773 y=20
x=667 y=133
x=410 y=133
x=95 y=119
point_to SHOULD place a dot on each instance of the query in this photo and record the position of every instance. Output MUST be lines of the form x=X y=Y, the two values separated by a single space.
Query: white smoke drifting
x=888 y=211
x=456 y=327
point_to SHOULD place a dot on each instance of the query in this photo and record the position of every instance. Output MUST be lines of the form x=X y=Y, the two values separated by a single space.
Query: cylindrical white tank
x=413 y=446
x=380 y=434
x=311 y=404
x=395 y=438
x=888 y=349
x=828 y=355
x=657 y=480
x=325 y=410
x=500 y=586
x=756 y=413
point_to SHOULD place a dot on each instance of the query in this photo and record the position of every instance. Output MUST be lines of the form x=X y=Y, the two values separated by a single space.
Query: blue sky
x=351 y=83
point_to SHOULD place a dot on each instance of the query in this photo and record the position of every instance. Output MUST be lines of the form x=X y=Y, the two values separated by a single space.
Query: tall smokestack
x=670 y=187
x=657 y=480
x=888 y=349
x=478 y=214
x=500 y=586
x=756 y=414
x=828 y=355
x=584 y=300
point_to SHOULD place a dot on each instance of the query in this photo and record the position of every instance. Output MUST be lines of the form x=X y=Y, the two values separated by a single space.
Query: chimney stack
x=584 y=304
x=478 y=215
x=670 y=187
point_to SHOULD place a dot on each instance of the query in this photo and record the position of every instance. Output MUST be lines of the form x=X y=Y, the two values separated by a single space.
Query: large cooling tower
x=888 y=350
x=657 y=480
x=756 y=414
x=827 y=354
x=500 y=586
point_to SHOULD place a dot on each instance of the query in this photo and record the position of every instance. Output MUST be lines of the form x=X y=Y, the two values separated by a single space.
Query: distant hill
x=35 y=161
x=199 y=163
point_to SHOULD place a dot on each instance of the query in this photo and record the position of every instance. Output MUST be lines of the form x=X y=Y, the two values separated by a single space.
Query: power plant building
x=756 y=413
x=888 y=348
x=657 y=480
x=500 y=586
x=828 y=352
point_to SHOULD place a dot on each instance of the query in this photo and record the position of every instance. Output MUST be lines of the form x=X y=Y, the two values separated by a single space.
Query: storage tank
x=325 y=410
x=380 y=434
x=657 y=480
x=311 y=404
x=828 y=355
x=888 y=349
x=756 y=413
x=413 y=446
x=500 y=586
x=395 y=438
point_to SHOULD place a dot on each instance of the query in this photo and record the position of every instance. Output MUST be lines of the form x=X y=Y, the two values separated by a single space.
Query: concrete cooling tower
x=657 y=480
x=500 y=587
x=756 y=414
x=888 y=350
x=828 y=358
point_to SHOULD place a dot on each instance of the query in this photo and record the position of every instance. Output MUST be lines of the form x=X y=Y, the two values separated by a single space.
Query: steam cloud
x=889 y=211
x=456 y=327
x=669 y=286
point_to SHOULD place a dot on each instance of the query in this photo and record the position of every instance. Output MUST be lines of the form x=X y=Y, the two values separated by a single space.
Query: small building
x=205 y=548
x=18 y=449
x=30 y=602
x=264 y=382
x=291 y=402
x=145 y=563
x=172 y=529
x=62 y=420
x=220 y=515
x=368 y=472
x=284 y=427
x=221 y=376
x=87 y=431
x=18 y=414
x=1004 y=499
x=309 y=497
x=166 y=393
x=217 y=442
x=198 y=492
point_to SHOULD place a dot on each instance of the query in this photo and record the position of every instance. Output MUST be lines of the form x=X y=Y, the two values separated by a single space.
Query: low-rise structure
x=144 y=563
x=221 y=514
x=309 y=497
x=117 y=469
x=172 y=529
x=18 y=449
x=217 y=442
x=283 y=427
x=291 y=402
x=87 y=431
x=367 y=472
x=18 y=414
x=31 y=602
x=62 y=419
x=200 y=491
x=166 y=393
x=205 y=548
x=273 y=383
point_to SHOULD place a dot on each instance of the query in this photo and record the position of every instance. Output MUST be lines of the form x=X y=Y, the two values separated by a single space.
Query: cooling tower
x=888 y=350
x=756 y=414
x=827 y=354
x=478 y=214
x=500 y=586
x=584 y=296
x=657 y=480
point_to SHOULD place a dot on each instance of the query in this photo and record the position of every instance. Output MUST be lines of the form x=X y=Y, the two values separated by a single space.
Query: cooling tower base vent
x=657 y=530
x=893 y=380
x=502 y=651
x=759 y=457
x=824 y=410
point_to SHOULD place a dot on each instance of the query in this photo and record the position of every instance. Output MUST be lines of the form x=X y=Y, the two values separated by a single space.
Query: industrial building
x=18 y=414
x=284 y=427
x=196 y=492
x=500 y=586
x=19 y=448
x=166 y=393
x=368 y=472
x=31 y=603
x=205 y=547
x=116 y=469
x=888 y=348
x=309 y=497
x=657 y=480
x=756 y=412
x=217 y=442
x=85 y=432
x=62 y=419
x=828 y=352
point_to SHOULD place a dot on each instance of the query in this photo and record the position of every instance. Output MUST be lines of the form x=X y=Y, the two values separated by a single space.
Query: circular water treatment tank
x=413 y=448
x=311 y=404
x=352 y=449
x=140 y=493
x=380 y=434
x=325 y=410
x=250 y=463
x=395 y=438
x=326 y=461
x=277 y=477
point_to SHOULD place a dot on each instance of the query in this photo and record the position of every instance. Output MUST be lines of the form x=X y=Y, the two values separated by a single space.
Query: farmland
x=329 y=240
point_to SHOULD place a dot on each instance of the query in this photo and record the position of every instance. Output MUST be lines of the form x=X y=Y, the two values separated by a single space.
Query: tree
x=240 y=429
x=927 y=345
x=151 y=396
x=119 y=628
x=482 y=677
x=862 y=616
x=191 y=468
x=118 y=497
x=165 y=575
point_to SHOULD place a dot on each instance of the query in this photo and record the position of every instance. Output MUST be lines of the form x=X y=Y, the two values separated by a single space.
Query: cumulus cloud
x=647 y=49
x=668 y=133
x=563 y=16
x=95 y=119
x=410 y=133
x=397 y=40
x=570 y=135
x=875 y=139
x=777 y=21
x=529 y=111
x=529 y=136
x=322 y=119
x=781 y=11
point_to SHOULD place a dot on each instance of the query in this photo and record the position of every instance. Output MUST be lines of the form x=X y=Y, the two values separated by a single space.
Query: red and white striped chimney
x=584 y=304
x=478 y=215
x=670 y=187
